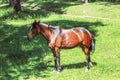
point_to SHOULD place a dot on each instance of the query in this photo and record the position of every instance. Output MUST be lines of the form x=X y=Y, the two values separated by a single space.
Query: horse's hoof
x=86 y=70
x=58 y=71
x=91 y=64
x=54 y=70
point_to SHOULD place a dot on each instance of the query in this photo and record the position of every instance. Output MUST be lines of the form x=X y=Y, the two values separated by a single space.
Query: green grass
x=23 y=60
x=97 y=9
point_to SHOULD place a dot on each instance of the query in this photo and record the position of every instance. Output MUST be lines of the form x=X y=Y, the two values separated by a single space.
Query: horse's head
x=38 y=27
x=34 y=30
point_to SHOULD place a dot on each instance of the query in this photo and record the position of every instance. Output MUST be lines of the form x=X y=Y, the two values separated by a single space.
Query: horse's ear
x=35 y=21
x=39 y=21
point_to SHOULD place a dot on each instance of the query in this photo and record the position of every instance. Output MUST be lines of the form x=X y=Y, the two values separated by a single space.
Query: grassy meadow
x=24 y=60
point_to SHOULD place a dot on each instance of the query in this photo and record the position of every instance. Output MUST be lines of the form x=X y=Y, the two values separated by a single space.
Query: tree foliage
x=15 y=4
x=105 y=0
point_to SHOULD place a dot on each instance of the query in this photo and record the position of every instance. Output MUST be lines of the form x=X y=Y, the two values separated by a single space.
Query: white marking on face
x=30 y=29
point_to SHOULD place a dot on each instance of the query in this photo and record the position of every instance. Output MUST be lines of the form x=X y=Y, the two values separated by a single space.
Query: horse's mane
x=54 y=29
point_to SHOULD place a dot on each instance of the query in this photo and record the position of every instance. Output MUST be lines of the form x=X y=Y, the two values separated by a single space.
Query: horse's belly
x=70 y=43
x=70 y=39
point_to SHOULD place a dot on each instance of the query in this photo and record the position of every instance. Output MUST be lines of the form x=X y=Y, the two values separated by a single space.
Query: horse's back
x=78 y=36
x=70 y=38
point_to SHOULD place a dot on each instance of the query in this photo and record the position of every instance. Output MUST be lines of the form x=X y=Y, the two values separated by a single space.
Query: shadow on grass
x=36 y=9
x=108 y=3
x=18 y=58
x=55 y=6
x=24 y=15
x=77 y=65
x=67 y=24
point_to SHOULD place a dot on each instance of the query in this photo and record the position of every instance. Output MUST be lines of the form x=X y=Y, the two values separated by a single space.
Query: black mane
x=54 y=28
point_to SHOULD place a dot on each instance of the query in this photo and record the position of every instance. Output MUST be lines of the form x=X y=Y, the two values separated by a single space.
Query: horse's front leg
x=55 y=59
x=57 y=54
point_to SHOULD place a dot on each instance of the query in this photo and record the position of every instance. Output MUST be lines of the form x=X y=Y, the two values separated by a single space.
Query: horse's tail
x=92 y=45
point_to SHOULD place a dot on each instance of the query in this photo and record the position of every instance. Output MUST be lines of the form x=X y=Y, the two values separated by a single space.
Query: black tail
x=92 y=45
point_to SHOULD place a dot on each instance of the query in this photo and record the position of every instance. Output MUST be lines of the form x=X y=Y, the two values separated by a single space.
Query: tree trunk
x=16 y=5
x=11 y=2
x=5 y=1
x=84 y=1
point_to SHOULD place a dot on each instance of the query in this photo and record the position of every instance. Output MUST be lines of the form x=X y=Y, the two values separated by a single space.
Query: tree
x=84 y=1
x=4 y=0
x=10 y=2
x=16 y=5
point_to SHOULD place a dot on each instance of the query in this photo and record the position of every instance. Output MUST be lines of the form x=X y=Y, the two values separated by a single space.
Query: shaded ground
x=18 y=57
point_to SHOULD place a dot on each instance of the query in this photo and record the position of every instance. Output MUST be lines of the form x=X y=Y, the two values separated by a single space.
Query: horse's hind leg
x=88 y=60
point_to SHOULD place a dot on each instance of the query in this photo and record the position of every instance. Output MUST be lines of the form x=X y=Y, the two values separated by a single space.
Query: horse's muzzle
x=29 y=39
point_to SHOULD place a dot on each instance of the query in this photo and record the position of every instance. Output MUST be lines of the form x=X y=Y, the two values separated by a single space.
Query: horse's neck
x=46 y=33
x=55 y=33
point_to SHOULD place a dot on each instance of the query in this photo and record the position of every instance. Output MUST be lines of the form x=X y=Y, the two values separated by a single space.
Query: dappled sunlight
x=55 y=6
x=67 y=24
x=24 y=60
x=19 y=57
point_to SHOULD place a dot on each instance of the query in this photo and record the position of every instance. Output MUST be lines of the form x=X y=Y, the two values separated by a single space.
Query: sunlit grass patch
x=24 y=60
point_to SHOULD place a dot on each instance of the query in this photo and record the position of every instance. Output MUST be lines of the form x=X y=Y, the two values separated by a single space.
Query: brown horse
x=64 y=38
